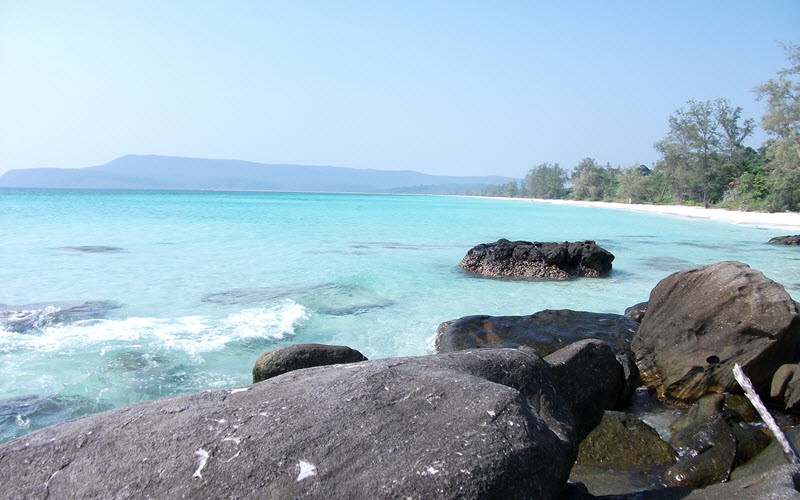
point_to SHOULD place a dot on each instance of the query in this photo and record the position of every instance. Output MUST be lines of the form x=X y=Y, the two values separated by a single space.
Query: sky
x=441 y=87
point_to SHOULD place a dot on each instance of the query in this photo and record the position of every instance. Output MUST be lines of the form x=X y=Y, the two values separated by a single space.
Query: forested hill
x=168 y=172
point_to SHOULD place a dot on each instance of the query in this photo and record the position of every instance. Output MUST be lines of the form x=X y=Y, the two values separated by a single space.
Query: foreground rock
x=701 y=321
x=786 y=387
x=589 y=377
x=478 y=424
x=778 y=483
x=786 y=240
x=299 y=356
x=524 y=259
x=545 y=331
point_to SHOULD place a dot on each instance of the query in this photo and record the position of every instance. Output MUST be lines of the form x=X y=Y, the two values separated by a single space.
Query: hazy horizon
x=445 y=89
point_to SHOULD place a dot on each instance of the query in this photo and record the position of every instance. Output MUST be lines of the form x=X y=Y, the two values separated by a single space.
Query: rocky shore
x=556 y=404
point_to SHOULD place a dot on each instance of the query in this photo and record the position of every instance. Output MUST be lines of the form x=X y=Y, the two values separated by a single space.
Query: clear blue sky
x=457 y=87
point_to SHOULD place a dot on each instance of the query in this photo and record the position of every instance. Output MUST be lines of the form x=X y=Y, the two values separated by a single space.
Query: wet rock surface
x=700 y=322
x=525 y=259
x=299 y=356
x=623 y=440
x=545 y=331
x=475 y=424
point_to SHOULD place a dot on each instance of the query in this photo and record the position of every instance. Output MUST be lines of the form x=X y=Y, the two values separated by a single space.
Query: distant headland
x=171 y=172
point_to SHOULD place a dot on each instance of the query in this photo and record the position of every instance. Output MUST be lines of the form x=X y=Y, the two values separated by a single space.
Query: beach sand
x=786 y=221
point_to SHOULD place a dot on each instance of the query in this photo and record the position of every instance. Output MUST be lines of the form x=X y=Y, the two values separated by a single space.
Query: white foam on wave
x=190 y=333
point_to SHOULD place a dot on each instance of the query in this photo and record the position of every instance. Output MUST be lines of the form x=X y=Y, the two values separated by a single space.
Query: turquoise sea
x=114 y=297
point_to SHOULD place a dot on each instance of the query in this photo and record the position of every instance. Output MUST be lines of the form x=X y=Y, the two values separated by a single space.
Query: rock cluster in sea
x=538 y=406
x=786 y=240
x=525 y=259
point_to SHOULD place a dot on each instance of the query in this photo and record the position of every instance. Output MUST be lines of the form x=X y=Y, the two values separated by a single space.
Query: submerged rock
x=525 y=259
x=709 y=456
x=332 y=299
x=786 y=240
x=700 y=322
x=545 y=331
x=477 y=424
x=299 y=356
x=24 y=414
x=30 y=318
x=94 y=249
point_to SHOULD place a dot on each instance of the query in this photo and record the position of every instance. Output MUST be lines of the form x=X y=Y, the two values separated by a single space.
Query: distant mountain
x=170 y=172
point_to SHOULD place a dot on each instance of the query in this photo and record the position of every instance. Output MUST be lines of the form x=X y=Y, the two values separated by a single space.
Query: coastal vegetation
x=703 y=158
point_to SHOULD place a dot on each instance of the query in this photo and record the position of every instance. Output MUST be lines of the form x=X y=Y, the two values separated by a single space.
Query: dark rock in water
x=36 y=317
x=635 y=482
x=94 y=249
x=637 y=311
x=623 y=440
x=260 y=295
x=589 y=377
x=769 y=459
x=749 y=439
x=667 y=263
x=786 y=387
x=703 y=411
x=24 y=414
x=545 y=331
x=786 y=240
x=486 y=423
x=524 y=259
x=709 y=455
x=741 y=406
x=299 y=356
x=700 y=322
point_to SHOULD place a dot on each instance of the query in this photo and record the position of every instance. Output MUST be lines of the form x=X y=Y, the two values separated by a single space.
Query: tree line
x=703 y=159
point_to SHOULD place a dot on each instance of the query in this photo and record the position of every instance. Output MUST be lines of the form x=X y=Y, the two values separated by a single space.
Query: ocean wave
x=193 y=334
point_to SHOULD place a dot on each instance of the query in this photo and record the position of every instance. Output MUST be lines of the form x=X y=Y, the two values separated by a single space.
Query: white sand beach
x=787 y=221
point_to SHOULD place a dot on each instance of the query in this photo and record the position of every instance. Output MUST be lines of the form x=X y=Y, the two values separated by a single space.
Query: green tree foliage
x=782 y=122
x=546 y=181
x=591 y=181
x=635 y=185
x=701 y=141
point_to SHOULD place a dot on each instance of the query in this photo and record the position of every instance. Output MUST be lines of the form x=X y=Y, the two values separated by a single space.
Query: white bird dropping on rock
x=305 y=469
x=766 y=416
x=203 y=456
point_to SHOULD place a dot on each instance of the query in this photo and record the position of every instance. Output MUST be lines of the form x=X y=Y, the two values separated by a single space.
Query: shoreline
x=789 y=221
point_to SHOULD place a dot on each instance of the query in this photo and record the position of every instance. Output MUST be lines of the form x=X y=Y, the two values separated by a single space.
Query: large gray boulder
x=700 y=322
x=525 y=259
x=298 y=356
x=545 y=331
x=476 y=424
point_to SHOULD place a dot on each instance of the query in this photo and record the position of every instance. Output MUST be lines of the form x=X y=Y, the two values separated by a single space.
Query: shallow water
x=113 y=297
